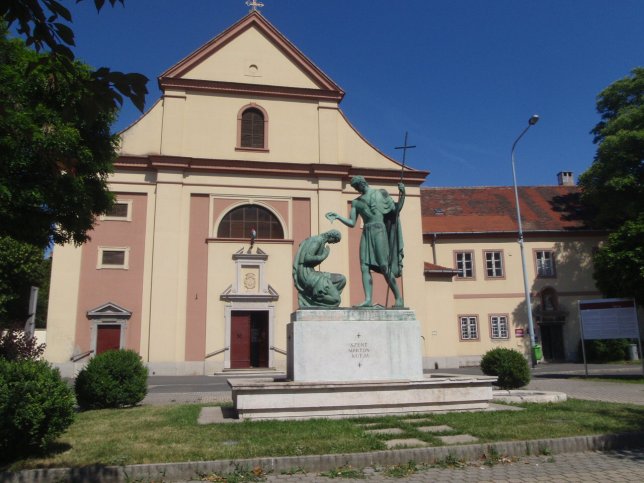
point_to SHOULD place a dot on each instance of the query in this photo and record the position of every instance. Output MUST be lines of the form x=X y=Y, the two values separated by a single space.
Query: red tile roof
x=493 y=210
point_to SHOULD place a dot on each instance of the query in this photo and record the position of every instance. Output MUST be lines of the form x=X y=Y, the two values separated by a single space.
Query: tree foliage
x=613 y=187
x=619 y=263
x=56 y=149
x=21 y=266
x=44 y=26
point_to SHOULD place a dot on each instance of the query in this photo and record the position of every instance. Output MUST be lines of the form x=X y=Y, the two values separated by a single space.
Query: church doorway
x=249 y=339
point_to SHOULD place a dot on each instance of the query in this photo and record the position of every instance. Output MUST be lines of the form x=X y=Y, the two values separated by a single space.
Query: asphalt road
x=217 y=383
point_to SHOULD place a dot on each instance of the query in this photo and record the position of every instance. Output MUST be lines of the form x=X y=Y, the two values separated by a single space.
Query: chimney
x=565 y=178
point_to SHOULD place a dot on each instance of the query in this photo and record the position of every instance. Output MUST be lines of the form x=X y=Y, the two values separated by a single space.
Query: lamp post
x=531 y=122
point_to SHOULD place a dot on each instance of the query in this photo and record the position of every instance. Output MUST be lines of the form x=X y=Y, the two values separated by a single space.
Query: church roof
x=493 y=210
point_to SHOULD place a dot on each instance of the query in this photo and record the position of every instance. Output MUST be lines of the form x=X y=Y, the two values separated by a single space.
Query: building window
x=239 y=223
x=545 y=263
x=121 y=211
x=469 y=326
x=252 y=128
x=112 y=257
x=464 y=264
x=493 y=264
x=499 y=327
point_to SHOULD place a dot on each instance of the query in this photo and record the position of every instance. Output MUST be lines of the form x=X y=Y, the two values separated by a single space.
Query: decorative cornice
x=570 y=232
x=267 y=168
x=248 y=90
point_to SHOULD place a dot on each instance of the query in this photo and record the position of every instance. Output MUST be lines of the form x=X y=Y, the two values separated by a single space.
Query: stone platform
x=355 y=362
x=282 y=399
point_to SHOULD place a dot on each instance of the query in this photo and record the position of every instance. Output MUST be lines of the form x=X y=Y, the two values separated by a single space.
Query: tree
x=41 y=23
x=21 y=266
x=619 y=264
x=613 y=187
x=56 y=149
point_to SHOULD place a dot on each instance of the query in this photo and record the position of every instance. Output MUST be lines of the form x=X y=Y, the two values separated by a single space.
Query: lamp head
x=533 y=120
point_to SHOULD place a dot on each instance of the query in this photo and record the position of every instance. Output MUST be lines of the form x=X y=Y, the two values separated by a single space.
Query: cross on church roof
x=254 y=4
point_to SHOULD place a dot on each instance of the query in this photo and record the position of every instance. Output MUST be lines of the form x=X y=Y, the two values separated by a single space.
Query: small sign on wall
x=519 y=332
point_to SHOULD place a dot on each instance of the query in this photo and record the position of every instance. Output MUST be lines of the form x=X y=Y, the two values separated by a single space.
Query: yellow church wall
x=144 y=136
x=353 y=149
x=63 y=300
x=251 y=58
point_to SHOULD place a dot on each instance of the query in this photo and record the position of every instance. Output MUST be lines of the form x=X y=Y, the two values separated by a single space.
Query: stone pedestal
x=352 y=362
x=344 y=345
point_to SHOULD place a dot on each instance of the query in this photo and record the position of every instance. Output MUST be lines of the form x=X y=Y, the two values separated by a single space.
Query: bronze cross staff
x=405 y=147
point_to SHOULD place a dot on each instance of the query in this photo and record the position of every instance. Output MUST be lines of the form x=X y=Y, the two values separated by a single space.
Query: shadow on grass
x=55 y=448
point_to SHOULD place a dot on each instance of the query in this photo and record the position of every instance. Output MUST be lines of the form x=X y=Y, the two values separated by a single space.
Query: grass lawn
x=157 y=434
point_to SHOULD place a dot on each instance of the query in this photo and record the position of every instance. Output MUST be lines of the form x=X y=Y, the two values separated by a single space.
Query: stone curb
x=317 y=463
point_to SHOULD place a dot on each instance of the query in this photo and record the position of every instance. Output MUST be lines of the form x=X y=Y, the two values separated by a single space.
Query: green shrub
x=112 y=379
x=605 y=350
x=508 y=365
x=36 y=406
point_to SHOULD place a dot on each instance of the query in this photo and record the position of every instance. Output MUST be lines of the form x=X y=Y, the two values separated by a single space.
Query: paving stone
x=435 y=429
x=216 y=415
x=458 y=439
x=385 y=431
x=410 y=442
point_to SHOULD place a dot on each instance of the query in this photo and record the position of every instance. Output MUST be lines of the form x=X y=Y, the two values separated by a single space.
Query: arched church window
x=239 y=223
x=253 y=123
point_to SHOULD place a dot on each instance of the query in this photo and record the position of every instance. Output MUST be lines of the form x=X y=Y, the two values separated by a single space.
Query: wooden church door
x=249 y=339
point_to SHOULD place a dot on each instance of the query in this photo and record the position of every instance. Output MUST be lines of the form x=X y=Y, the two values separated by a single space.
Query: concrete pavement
x=588 y=467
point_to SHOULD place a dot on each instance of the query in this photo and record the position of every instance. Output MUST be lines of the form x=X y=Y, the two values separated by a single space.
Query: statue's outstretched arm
x=350 y=222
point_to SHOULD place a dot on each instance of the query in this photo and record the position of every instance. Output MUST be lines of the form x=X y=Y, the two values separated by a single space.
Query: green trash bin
x=537 y=352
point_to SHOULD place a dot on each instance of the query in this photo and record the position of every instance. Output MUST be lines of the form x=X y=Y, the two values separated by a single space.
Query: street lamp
x=528 y=303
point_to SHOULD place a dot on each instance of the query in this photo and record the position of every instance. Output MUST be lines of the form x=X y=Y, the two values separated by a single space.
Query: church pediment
x=109 y=310
x=252 y=52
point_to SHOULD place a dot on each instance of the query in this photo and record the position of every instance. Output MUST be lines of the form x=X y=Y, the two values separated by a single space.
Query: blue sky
x=461 y=76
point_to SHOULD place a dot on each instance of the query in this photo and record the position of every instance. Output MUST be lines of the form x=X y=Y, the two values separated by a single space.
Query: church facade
x=223 y=178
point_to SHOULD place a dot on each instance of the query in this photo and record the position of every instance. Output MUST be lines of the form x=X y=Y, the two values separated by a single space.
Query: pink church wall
x=301 y=230
x=122 y=287
x=197 y=292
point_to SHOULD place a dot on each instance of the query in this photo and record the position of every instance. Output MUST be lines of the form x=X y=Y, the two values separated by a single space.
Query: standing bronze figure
x=381 y=244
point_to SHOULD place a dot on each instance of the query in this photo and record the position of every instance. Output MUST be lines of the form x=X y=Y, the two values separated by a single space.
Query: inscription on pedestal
x=359 y=350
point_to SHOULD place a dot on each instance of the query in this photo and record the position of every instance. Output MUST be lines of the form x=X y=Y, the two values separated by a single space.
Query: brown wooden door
x=240 y=340
x=108 y=337
x=259 y=339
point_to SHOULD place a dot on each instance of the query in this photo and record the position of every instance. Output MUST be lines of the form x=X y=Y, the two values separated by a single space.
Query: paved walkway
x=588 y=467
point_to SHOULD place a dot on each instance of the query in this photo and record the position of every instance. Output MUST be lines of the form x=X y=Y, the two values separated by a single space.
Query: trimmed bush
x=112 y=379
x=36 y=406
x=508 y=365
x=605 y=350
